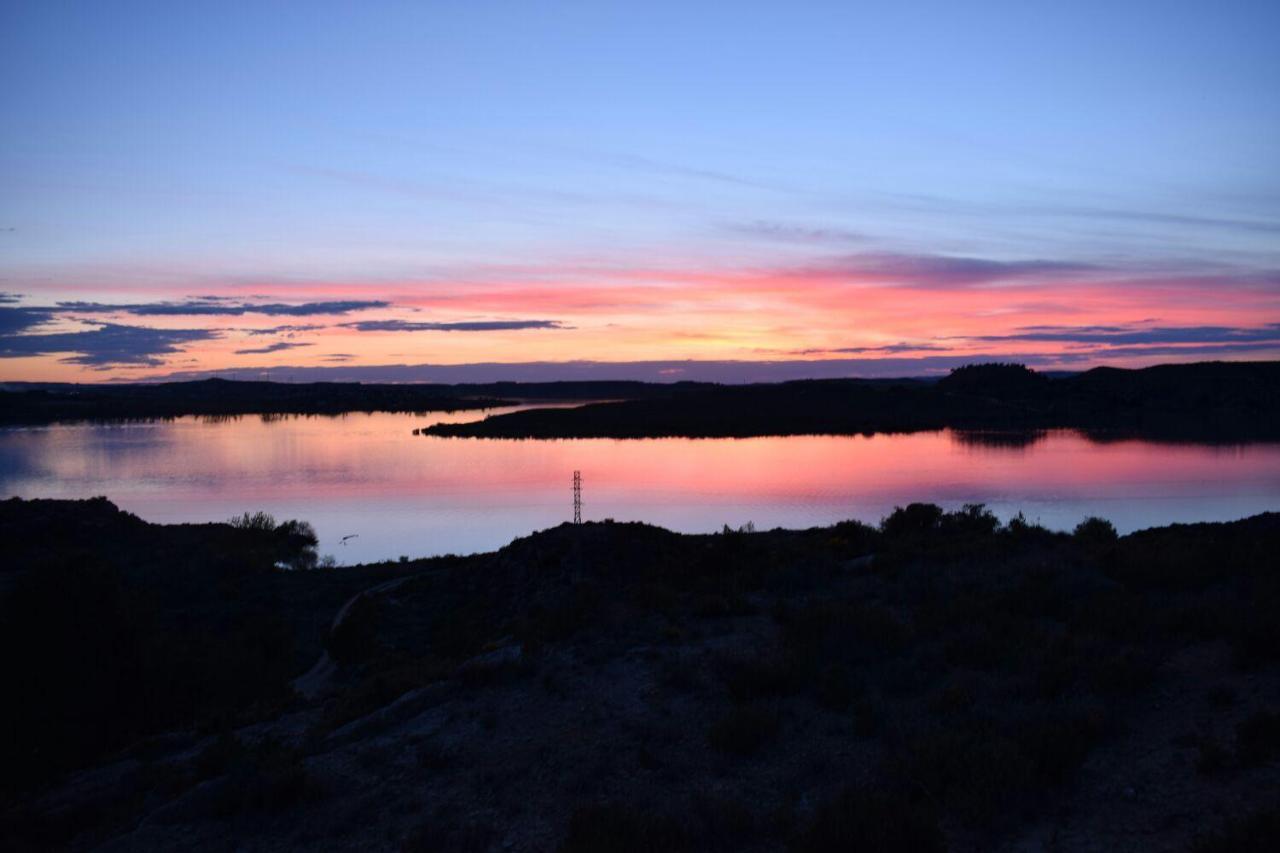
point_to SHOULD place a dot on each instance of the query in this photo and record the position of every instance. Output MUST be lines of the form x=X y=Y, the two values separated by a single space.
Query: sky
x=728 y=191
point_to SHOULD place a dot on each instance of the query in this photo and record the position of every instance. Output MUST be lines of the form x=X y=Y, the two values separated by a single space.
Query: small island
x=1210 y=401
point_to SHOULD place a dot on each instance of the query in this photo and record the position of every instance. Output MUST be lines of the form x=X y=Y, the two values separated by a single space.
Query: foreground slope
x=940 y=682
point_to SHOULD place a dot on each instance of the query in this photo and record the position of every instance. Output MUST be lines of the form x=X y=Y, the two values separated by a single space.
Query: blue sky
x=166 y=150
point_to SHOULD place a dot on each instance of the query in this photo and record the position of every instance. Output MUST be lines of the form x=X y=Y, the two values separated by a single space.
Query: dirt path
x=313 y=682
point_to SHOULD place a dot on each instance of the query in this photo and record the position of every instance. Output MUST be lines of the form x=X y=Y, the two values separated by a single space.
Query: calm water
x=404 y=494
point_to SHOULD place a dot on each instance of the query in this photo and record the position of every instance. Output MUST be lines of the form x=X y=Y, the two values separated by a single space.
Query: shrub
x=913 y=520
x=1256 y=833
x=1095 y=532
x=844 y=631
x=1253 y=630
x=254 y=521
x=1258 y=739
x=755 y=678
x=971 y=520
x=867 y=716
x=268 y=778
x=744 y=730
x=1058 y=743
x=1019 y=527
x=1123 y=673
x=835 y=688
x=873 y=821
x=1211 y=757
x=300 y=541
x=616 y=828
x=974 y=772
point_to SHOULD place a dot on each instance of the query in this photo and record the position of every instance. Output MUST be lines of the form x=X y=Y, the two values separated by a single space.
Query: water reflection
x=1002 y=439
x=368 y=474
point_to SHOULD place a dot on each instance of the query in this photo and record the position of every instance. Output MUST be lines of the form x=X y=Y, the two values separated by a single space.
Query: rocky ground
x=942 y=682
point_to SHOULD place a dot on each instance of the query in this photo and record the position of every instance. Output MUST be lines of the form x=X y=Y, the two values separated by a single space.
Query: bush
x=1211 y=757
x=913 y=520
x=1123 y=674
x=268 y=778
x=293 y=541
x=844 y=631
x=835 y=688
x=1019 y=527
x=873 y=821
x=1256 y=833
x=1095 y=533
x=254 y=521
x=1258 y=739
x=744 y=730
x=973 y=772
x=755 y=678
x=1058 y=743
x=971 y=520
x=300 y=541
x=615 y=828
x=1254 y=631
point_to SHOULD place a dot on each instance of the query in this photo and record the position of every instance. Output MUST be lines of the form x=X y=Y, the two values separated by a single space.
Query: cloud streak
x=942 y=271
x=783 y=232
x=283 y=330
x=107 y=346
x=1118 y=335
x=275 y=347
x=888 y=349
x=204 y=306
x=462 y=326
x=19 y=319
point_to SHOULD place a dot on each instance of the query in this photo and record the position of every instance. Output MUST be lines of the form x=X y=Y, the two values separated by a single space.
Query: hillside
x=938 y=682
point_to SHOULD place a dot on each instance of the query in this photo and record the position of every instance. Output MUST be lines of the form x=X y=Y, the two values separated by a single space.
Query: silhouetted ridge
x=996 y=380
x=1225 y=401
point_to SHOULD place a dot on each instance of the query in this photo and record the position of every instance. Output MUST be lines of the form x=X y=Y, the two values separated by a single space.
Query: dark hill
x=939 y=682
x=46 y=404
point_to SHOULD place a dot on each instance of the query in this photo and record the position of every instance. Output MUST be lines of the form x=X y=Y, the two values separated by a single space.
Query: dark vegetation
x=1007 y=403
x=48 y=403
x=36 y=403
x=112 y=629
x=1228 y=401
x=940 y=682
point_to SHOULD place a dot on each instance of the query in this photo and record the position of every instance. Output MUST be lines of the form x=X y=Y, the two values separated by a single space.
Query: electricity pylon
x=577 y=497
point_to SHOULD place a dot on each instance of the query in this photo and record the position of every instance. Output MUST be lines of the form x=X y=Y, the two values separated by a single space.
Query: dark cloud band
x=106 y=346
x=468 y=326
x=204 y=307
x=276 y=347
x=1124 y=335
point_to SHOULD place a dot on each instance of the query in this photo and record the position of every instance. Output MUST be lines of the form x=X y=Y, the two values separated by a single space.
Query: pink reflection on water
x=406 y=494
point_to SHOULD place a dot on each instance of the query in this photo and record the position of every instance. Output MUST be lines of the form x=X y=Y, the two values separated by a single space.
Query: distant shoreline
x=1214 y=401
x=30 y=404
x=1202 y=402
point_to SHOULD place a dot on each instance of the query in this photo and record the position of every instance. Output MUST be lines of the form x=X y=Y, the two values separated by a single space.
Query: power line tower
x=577 y=497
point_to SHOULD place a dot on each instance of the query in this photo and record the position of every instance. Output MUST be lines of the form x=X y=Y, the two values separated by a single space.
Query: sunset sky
x=456 y=191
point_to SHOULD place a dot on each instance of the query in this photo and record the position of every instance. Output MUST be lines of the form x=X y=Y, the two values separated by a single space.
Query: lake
x=368 y=475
